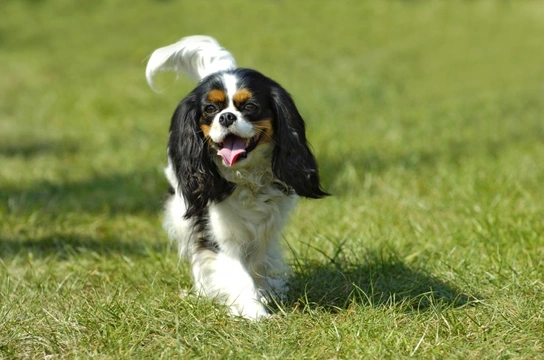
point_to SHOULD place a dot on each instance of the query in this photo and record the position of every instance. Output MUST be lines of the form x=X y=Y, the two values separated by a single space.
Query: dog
x=238 y=159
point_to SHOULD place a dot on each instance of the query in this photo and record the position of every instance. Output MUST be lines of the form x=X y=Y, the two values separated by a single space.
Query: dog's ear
x=198 y=177
x=292 y=159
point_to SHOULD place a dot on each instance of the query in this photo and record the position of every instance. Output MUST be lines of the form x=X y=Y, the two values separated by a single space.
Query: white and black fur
x=227 y=207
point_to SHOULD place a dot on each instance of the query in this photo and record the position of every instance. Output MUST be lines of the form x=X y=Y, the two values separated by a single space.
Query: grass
x=426 y=119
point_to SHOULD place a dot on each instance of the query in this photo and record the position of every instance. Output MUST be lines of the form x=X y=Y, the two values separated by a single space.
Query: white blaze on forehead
x=230 y=83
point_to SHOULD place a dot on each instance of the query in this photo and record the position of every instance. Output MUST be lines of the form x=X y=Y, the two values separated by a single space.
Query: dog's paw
x=254 y=312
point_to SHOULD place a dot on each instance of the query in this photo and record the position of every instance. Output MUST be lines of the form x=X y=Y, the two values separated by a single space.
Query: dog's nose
x=226 y=119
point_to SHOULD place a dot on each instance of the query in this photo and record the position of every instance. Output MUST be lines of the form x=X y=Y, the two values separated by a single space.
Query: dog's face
x=230 y=116
x=236 y=115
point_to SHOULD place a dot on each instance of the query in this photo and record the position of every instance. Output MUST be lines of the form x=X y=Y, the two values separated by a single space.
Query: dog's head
x=236 y=114
x=236 y=119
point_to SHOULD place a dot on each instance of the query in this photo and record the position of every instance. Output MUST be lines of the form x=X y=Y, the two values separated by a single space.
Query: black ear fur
x=292 y=159
x=198 y=177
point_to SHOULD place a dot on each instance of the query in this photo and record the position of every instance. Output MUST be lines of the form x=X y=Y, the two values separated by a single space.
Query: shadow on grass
x=140 y=192
x=31 y=149
x=378 y=281
x=66 y=246
x=135 y=193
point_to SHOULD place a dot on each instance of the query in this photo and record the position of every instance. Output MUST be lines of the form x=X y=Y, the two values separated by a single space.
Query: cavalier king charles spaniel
x=238 y=159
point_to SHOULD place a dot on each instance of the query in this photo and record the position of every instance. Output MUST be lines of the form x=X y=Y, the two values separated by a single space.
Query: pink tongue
x=233 y=146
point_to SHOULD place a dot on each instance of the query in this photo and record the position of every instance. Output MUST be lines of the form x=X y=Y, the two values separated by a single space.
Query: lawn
x=426 y=118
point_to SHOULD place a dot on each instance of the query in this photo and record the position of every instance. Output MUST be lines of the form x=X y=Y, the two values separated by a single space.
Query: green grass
x=426 y=119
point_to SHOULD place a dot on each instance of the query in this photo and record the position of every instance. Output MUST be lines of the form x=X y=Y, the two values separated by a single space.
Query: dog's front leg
x=225 y=279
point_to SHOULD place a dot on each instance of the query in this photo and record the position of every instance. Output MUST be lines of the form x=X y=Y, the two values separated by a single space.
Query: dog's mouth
x=235 y=148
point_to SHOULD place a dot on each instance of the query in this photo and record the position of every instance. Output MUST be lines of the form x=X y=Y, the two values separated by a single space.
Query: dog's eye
x=250 y=107
x=210 y=109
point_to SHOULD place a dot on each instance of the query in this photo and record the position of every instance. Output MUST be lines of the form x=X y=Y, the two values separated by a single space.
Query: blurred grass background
x=426 y=119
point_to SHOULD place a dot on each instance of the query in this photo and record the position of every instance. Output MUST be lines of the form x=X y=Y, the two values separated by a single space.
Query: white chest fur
x=249 y=218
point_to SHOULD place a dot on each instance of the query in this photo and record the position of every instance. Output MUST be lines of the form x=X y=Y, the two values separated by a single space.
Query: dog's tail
x=196 y=56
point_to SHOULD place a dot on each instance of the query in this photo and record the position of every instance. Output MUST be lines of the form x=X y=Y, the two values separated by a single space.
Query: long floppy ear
x=292 y=159
x=198 y=177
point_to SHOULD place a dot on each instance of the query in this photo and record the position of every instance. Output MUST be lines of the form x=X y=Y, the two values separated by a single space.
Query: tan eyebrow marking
x=241 y=96
x=217 y=95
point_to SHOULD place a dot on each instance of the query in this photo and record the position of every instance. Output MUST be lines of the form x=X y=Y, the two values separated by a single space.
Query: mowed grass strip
x=426 y=118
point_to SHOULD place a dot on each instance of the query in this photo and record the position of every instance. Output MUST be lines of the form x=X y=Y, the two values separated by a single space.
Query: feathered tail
x=196 y=56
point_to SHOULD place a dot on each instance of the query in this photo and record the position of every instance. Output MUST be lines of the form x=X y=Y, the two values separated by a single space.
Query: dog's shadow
x=377 y=281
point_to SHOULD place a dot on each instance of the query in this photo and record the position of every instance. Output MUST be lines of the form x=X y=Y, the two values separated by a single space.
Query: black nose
x=226 y=119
